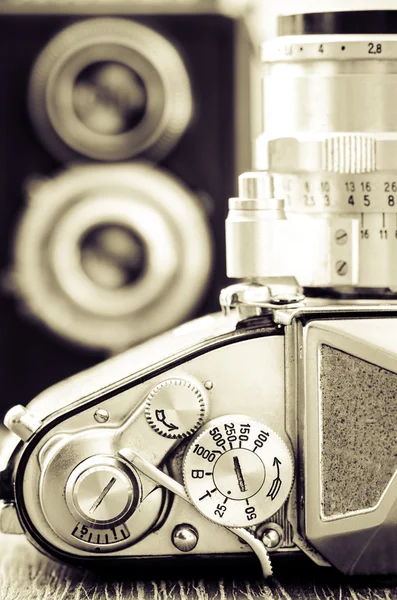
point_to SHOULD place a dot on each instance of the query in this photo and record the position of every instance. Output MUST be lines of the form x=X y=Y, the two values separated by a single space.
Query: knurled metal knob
x=349 y=153
x=102 y=491
x=333 y=153
x=176 y=407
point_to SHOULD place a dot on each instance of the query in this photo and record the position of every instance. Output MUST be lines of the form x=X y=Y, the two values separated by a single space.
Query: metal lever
x=176 y=488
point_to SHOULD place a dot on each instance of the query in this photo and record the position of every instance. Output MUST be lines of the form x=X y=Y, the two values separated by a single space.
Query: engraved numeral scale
x=330 y=142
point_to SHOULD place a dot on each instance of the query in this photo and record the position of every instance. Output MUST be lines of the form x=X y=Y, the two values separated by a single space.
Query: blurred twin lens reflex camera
x=123 y=127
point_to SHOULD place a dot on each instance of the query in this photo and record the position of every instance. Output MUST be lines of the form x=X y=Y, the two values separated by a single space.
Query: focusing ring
x=129 y=63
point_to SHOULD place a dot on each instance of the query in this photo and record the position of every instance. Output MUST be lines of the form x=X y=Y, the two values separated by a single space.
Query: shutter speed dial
x=237 y=471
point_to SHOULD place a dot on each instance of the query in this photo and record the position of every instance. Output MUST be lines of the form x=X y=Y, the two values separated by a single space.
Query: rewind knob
x=102 y=492
x=176 y=408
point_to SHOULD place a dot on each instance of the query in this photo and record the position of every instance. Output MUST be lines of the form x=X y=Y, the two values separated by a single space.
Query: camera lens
x=106 y=256
x=110 y=89
x=113 y=256
x=330 y=139
x=109 y=98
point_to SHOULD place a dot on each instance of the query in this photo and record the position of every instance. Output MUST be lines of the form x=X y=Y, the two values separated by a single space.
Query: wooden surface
x=27 y=575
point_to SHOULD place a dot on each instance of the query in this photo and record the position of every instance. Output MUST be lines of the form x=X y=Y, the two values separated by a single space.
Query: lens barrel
x=330 y=139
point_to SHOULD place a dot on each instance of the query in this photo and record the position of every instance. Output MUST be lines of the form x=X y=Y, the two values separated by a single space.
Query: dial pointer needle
x=239 y=474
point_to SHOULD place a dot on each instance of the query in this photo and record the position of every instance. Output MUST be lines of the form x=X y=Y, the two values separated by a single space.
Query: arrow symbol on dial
x=161 y=417
x=276 y=483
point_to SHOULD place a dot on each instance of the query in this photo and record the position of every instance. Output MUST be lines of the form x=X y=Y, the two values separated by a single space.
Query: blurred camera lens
x=110 y=89
x=109 y=98
x=113 y=256
x=109 y=255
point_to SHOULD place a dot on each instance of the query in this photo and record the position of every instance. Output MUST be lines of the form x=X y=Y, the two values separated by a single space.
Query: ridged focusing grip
x=349 y=153
x=336 y=153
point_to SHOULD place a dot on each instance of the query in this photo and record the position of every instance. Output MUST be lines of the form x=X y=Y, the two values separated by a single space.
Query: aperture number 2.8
x=374 y=48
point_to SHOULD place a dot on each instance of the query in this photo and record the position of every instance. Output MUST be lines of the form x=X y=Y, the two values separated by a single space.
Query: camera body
x=306 y=449
x=122 y=133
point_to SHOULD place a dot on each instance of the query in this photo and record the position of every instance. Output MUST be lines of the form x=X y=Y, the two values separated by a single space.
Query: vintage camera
x=270 y=428
x=123 y=129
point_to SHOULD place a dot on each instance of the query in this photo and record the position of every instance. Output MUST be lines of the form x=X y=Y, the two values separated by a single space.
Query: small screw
x=185 y=537
x=101 y=415
x=341 y=237
x=271 y=538
x=341 y=267
x=208 y=385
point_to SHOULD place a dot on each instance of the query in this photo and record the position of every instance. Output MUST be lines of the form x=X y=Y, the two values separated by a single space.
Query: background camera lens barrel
x=110 y=89
x=330 y=137
x=109 y=255
x=108 y=86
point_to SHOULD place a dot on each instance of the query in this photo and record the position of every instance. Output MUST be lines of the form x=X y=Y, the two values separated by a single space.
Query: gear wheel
x=175 y=408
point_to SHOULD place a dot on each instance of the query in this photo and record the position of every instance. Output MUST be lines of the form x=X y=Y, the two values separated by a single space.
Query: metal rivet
x=185 y=537
x=208 y=385
x=271 y=536
x=101 y=415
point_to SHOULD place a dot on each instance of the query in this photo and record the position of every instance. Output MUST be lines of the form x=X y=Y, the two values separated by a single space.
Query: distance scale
x=341 y=193
x=237 y=471
x=366 y=201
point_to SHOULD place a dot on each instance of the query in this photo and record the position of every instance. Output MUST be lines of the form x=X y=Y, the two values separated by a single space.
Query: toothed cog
x=175 y=408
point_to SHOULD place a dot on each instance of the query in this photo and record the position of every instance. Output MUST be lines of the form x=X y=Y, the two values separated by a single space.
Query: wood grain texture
x=26 y=574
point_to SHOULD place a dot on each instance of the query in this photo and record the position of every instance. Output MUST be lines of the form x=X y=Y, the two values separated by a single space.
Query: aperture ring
x=325 y=47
